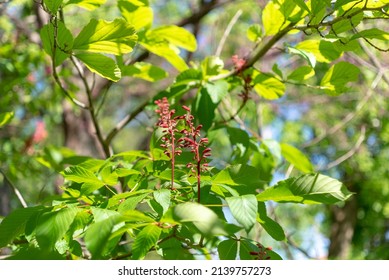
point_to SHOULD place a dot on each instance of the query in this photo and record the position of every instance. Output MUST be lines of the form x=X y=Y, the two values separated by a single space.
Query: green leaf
x=244 y=209
x=53 y=5
x=64 y=41
x=14 y=224
x=117 y=37
x=337 y=77
x=6 y=118
x=52 y=226
x=254 y=32
x=347 y=24
x=163 y=198
x=373 y=33
x=324 y=51
x=228 y=249
x=307 y=189
x=204 y=109
x=296 y=157
x=302 y=5
x=309 y=57
x=271 y=227
x=87 y=4
x=211 y=66
x=101 y=64
x=203 y=218
x=268 y=86
x=136 y=12
x=145 y=240
x=177 y=36
x=109 y=176
x=164 y=50
x=99 y=233
x=302 y=73
x=242 y=175
x=272 y=18
x=79 y=174
x=145 y=71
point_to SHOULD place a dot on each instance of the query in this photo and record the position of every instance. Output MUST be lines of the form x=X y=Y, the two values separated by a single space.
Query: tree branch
x=15 y=189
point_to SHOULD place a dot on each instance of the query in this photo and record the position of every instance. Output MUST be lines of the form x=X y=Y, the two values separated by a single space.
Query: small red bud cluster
x=262 y=253
x=239 y=64
x=190 y=138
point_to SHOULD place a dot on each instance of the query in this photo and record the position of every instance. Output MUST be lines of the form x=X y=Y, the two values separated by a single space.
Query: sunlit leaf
x=163 y=198
x=254 y=32
x=302 y=73
x=268 y=87
x=145 y=71
x=203 y=218
x=296 y=157
x=272 y=18
x=137 y=13
x=117 y=37
x=244 y=209
x=101 y=64
x=338 y=76
x=6 y=118
x=324 y=51
x=87 y=4
x=307 y=189
x=178 y=36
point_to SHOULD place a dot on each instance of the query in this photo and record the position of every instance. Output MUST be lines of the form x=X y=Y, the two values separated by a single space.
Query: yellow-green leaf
x=336 y=79
x=296 y=157
x=117 y=37
x=137 y=13
x=101 y=64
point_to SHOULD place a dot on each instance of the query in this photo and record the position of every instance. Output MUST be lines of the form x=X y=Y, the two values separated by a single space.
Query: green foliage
x=172 y=197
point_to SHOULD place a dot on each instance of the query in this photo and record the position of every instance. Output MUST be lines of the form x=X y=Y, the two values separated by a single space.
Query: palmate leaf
x=145 y=240
x=244 y=209
x=307 y=189
x=99 y=36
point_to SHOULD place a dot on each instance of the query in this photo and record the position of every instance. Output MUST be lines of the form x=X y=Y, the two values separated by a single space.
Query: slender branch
x=15 y=189
x=350 y=116
x=227 y=32
x=351 y=152
x=91 y=109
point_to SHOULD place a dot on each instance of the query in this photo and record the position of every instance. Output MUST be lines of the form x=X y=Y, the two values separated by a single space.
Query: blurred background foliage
x=345 y=136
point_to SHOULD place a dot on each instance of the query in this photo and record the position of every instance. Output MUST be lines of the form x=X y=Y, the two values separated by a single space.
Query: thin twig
x=350 y=153
x=15 y=189
x=227 y=32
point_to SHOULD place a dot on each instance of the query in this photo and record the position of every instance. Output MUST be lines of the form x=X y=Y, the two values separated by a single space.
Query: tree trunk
x=342 y=229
